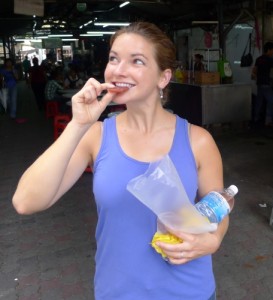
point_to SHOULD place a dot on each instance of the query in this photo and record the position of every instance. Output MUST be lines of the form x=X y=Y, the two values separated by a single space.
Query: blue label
x=217 y=204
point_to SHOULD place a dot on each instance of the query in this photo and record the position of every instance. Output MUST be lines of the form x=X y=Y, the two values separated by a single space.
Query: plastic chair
x=60 y=122
x=52 y=109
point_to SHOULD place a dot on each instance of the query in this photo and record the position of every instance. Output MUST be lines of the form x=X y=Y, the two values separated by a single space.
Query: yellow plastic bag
x=166 y=238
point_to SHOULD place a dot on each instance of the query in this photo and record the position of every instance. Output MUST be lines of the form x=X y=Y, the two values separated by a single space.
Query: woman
x=10 y=76
x=141 y=63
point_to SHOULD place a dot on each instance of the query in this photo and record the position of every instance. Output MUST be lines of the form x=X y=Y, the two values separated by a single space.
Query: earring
x=161 y=94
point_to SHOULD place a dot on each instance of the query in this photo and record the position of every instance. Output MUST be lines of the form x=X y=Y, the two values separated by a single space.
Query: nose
x=121 y=68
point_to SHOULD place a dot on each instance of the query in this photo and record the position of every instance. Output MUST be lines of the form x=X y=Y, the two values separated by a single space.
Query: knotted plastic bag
x=161 y=190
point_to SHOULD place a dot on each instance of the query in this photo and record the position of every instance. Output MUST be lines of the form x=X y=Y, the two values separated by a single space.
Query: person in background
x=140 y=66
x=198 y=63
x=48 y=64
x=10 y=77
x=72 y=80
x=38 y=80
x=26 y=67
x=261 y=73
x=53 y=88
x=54 y=85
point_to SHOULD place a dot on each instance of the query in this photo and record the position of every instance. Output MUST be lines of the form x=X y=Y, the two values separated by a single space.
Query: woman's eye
x=112 y=58
x=138 y=61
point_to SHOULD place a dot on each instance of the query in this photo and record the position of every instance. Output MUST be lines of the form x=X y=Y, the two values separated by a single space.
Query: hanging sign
x=208 y=39
x=51 y=43
x=29 y=7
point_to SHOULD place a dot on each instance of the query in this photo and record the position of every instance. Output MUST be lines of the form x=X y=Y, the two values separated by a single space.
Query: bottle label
x=217 y=204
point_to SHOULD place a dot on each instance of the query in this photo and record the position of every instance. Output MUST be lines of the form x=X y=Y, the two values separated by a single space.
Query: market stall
x=211 y=104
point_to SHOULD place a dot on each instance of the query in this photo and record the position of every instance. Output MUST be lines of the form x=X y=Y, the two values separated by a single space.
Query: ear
x=165 y=78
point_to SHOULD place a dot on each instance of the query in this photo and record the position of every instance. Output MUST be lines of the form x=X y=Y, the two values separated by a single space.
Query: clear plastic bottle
x=217 y=204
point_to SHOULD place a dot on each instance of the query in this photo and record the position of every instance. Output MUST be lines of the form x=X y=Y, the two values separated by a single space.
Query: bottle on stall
x=217 y=204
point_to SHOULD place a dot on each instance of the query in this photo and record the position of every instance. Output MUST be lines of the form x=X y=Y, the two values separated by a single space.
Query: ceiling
x=175 y=14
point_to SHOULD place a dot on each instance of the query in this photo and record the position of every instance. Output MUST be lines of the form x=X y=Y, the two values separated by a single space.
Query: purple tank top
x=127 y=267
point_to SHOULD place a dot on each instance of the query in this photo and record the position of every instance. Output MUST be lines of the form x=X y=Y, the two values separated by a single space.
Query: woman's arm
x=210 y=177
x=42 y=183
x=58 y=168
x=210 y=173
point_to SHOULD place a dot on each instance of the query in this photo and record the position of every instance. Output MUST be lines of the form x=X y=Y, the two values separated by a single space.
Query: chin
x=119 y=99
x=120 y=102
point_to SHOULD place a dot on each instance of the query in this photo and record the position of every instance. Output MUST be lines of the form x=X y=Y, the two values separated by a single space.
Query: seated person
x=72 y=80
x=52 y=89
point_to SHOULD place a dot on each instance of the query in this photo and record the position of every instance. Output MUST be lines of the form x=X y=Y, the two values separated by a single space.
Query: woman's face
x=132 y=64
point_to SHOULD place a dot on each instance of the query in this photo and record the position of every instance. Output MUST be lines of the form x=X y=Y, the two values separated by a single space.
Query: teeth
x=121 y=84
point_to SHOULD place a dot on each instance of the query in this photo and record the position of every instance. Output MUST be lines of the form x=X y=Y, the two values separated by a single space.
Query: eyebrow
x=133 y=55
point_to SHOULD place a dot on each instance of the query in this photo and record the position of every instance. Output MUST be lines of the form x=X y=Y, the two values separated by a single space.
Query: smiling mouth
x=120 y=87
x=123 y=84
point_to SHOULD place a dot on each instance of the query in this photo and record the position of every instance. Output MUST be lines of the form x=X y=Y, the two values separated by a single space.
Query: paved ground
x=49 y=256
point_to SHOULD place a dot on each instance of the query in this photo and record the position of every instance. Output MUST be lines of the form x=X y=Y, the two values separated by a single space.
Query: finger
x=176 y=261
x=180 y=261
x=177 y=254
x=106 y=99
x=179 y=247
x=92 y=89
x=98 y=86
x=86 y=95
x=181 y=234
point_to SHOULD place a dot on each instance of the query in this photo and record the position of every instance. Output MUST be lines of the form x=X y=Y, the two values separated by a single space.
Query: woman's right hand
x=86 y=107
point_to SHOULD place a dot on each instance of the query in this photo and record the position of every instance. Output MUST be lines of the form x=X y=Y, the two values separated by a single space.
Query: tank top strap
x=181 y=136
x=109 y=141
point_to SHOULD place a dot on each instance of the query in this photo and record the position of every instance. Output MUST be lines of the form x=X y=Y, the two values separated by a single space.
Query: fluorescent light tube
x=100 y=32
x=111 y=23
x=91 y=34
x=124 y=3
x=60 y=35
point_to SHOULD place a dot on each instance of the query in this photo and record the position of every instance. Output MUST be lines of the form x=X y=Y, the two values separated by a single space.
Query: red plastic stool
x=88 y=170
x=60 y=122
x=52 y=109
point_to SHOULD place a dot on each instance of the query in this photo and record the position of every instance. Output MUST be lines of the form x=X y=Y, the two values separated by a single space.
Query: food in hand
x=166 y=238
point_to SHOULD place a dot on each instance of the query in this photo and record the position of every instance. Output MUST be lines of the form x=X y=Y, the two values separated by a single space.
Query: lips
x=123 y=84
x=120 y=87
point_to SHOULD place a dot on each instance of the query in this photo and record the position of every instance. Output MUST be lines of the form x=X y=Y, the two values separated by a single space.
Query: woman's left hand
x=192 y=247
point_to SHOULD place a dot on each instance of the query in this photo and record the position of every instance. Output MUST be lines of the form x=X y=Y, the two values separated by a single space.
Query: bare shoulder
x=93 y=134
x=208 y=160
x=95 y=129
x=200 y=136
x=203 y=144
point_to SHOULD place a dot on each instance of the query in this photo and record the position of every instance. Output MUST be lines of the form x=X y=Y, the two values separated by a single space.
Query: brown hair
x=165 y=53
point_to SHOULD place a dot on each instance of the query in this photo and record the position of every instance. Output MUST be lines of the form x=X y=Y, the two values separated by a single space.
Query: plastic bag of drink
x=162 y=191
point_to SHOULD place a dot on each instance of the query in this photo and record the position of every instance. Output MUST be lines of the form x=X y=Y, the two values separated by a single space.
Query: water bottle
x=217 y=204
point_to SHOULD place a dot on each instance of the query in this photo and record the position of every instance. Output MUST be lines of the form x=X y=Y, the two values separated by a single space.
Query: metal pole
x=221 y=27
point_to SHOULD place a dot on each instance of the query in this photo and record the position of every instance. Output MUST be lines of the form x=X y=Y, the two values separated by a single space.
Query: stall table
x=211 y=104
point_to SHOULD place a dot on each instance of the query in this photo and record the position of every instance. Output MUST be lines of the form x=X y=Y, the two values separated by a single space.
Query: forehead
x=132 y=42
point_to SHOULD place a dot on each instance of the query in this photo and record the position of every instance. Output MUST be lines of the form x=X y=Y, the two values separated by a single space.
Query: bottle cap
x=233 y=189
